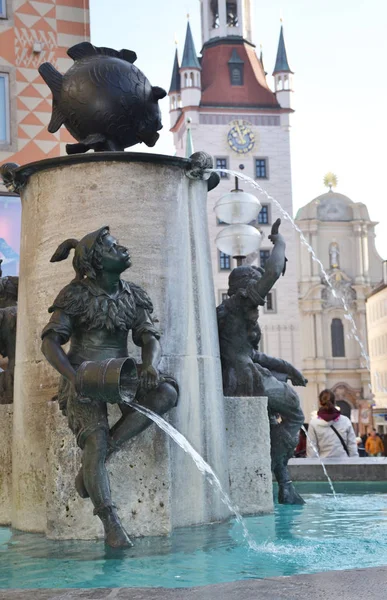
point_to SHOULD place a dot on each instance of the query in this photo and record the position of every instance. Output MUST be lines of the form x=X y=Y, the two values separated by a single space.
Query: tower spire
x=190 y=59
x=175 y=79
x=281 y=63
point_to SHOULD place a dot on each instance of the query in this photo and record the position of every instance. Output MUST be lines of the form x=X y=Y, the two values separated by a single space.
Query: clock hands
x=241 y=137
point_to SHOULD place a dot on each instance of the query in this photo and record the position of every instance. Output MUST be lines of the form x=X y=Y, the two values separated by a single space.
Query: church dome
x=332 y=206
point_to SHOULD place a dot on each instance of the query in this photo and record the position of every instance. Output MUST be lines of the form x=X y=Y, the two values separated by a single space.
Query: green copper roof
x=281 y=63
x=175 y=80
x=189 y=147
x=190 y=60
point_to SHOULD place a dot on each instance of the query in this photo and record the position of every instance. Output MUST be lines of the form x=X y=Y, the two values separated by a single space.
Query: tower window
x=263 y=217
x=263 y=257
x=191 y=80
x=236 y=68
x=237 y=76
x=215 y=13
x=232 y=13
x=224 y=261
x=222 y=163
x=337 y=335
x=260 y=168
x=4 y=109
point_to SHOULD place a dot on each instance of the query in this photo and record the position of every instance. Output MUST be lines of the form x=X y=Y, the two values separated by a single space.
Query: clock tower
x=223 y=103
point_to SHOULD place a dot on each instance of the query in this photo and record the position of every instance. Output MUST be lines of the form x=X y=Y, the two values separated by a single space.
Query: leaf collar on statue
x=93 y=308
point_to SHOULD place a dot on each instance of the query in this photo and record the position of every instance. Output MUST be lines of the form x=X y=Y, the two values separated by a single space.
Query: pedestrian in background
x=374 y=445
x=330 y=431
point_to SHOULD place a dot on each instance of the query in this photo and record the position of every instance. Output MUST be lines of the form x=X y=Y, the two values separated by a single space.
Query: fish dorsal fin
x=128 y=55
x=53 y=78
x=82 y=50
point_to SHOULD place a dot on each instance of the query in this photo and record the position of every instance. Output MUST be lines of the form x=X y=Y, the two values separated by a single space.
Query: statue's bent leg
x=284 y=437
x=159 y=400
x=96 y=481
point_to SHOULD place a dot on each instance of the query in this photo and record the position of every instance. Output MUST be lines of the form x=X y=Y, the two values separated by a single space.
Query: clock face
x=240 y=137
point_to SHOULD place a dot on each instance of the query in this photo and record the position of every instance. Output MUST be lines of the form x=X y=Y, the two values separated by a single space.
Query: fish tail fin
x=54 y=80
x=57 y=119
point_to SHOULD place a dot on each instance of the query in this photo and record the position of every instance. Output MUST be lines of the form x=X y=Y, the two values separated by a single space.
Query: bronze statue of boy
x=95 y=312
x=247 y=372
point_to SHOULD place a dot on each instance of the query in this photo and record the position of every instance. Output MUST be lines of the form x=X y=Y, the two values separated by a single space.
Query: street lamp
x=237 y=208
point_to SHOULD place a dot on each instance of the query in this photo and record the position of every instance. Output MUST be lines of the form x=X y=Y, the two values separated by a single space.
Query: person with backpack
x=331 y=432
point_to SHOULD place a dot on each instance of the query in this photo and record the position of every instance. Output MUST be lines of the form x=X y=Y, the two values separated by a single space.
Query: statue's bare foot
x=115 y=534
x=287 y=494
x=80 y=485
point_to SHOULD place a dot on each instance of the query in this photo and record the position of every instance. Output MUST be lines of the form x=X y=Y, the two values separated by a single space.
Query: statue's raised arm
x=276 y=263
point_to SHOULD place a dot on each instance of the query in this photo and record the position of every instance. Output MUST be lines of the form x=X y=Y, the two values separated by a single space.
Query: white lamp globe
x=237 y=207
x=238 y=240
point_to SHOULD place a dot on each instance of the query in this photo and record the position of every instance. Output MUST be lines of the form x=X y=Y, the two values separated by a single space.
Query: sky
x=337 y=50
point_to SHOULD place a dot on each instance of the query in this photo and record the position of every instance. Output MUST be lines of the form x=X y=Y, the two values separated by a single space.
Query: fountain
x=157 y=204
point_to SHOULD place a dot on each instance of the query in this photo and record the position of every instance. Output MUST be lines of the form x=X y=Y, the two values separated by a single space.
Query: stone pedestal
x=248 y=447
x=154 y=208
x=6 y=415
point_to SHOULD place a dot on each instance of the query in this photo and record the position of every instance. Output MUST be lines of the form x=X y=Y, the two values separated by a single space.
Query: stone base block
x=6 y=423
x=139 y=476
x=248 y=446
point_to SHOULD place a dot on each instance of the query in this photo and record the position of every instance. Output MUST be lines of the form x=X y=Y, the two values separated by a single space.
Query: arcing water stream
x=201 y=464
x=285 y=214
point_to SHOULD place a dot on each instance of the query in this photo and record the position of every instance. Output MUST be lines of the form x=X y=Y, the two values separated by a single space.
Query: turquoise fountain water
x=322 y=535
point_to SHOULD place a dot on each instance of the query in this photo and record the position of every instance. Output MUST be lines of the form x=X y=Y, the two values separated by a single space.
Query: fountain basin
x=322 y=535
x=367 y=468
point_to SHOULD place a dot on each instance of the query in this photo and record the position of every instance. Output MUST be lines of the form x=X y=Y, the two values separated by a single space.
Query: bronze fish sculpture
x=103 y=100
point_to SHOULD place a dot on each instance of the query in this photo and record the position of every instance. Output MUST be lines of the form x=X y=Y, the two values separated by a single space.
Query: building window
x=3 y=9
x=223 y=295
x=263 y=217
x=4 y=109
x=222 y=163
x=260 y=168
x=224 y=262
x=270 y=306
x=337 y=335
x=263 y=257
x=10 y=223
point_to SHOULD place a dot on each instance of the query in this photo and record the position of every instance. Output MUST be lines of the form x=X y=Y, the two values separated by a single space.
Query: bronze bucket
x=113 y=380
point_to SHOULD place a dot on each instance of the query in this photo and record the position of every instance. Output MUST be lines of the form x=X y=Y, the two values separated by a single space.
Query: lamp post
x=237 y=209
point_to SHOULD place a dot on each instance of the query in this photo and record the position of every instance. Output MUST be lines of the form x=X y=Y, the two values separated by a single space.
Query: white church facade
x=225 y=99
x=334 y=347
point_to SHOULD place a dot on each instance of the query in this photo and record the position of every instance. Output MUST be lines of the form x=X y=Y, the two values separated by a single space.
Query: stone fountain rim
x=29 y=169
x=21 y=174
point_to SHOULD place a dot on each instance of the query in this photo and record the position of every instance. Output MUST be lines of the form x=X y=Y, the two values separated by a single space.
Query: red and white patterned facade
x=31 y=33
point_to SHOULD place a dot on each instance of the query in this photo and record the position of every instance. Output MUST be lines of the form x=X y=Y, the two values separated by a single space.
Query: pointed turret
x=189 y=147
x=190 y=59
x=283 y=76
x=190 y=74
x=175 y=79
x=261 y=61
x=174 y=92
x=281 y=63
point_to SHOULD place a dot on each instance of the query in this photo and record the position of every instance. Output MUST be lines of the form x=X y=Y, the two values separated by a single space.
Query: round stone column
x=156 y=205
